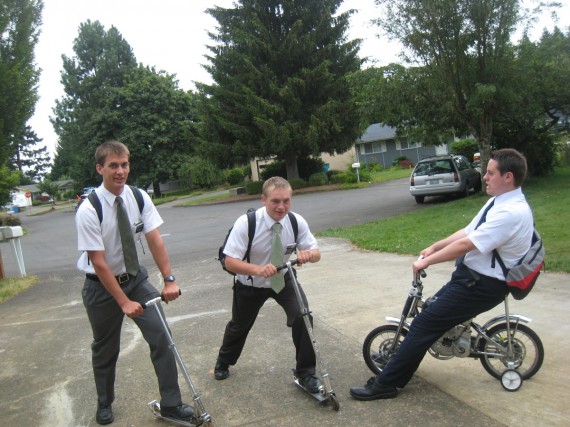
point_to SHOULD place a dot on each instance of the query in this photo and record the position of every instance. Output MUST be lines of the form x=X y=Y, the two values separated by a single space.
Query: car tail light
x=455 y=177
x=412 y=181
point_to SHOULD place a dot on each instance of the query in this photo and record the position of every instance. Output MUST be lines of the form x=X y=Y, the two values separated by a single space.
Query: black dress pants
x=461 y=299
x=247 y=301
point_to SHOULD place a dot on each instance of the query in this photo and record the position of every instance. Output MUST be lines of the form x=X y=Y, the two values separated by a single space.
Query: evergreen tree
x=31 y=161
x=280 y=87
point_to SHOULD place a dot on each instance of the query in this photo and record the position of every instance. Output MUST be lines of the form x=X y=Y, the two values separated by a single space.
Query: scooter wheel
x=511 y=380
x=334 y=401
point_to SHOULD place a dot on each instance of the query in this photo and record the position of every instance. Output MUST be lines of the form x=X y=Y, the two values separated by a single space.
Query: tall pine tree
x=280 y=82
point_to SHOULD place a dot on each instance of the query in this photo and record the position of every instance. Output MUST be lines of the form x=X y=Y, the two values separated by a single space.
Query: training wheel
x=511 y=380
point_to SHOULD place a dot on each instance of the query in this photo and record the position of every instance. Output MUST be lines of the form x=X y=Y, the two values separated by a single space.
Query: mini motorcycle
x=508 y=349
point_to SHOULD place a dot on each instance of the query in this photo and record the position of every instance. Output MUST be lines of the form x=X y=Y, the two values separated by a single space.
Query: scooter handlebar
x=284 y=266
x=155 y=301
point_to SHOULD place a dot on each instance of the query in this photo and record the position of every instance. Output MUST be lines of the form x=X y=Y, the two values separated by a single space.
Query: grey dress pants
x=106 y=319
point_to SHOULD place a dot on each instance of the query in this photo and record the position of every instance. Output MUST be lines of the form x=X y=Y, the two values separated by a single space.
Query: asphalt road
x=50 y=248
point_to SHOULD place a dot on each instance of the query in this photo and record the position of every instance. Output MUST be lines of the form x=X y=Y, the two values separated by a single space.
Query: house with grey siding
x=379 y=144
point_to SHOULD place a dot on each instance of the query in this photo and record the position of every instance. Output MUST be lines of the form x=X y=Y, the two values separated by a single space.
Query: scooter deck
x=154 y=407
x=319 y=395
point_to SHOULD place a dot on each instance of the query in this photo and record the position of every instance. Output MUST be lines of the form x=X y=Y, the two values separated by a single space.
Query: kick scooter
x=325 y=393
x=201 y=417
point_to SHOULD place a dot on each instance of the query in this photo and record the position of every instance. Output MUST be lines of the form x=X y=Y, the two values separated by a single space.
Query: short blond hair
x=275 y=182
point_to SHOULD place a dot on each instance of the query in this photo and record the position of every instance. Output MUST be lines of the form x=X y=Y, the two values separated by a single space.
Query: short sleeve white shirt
x=95 y=236
x=508 y=228
x=260 y=253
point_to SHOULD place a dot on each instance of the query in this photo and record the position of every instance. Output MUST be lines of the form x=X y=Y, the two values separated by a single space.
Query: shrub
x=319 y=178
x=371 y=167
x=297 y=183
x=10 y=220
x=331 y=173
x=247 y=171
x=343 y=178
x=307 y=167
x=466 y=147
x=254 y=187
x=406 y=164
x=196 y=171
x=234 y=176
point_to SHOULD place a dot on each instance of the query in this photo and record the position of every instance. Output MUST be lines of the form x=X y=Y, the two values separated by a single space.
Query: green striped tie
x=127 y=240
x=277 y=281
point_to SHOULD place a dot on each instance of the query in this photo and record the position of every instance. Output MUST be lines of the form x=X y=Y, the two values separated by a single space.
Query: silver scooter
x=325 y=393
x=201 y=417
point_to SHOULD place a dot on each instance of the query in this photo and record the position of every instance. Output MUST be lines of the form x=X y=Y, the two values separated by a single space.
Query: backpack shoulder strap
x=138 y=196
x=250 y=230
x=294 y=224
x=96 y=203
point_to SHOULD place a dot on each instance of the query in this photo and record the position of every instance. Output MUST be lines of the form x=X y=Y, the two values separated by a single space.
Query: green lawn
x=409 y=233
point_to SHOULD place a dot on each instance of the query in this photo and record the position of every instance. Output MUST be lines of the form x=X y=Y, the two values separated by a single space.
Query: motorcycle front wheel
x=528 y=352
x=377 y=347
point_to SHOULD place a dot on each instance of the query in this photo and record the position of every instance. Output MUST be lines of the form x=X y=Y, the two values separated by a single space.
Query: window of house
x=373 y=147
x=404 y=144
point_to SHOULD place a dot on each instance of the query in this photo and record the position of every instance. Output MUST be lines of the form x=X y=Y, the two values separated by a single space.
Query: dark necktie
x=277 y=281
x=483 y=218
x=127 y=240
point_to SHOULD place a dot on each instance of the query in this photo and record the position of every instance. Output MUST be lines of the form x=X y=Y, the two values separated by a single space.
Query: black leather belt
x=122 y=279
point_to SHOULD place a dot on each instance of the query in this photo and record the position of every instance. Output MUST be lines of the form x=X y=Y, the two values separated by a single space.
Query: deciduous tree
x=109 y=96
x=20 y=22
x=464 y=47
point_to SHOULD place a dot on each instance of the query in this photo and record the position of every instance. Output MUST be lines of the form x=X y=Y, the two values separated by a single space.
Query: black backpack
x=96 y=203
x=250 y=234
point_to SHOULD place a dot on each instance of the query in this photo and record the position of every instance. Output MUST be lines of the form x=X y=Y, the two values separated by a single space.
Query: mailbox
x=12 y=235
x=13 y=232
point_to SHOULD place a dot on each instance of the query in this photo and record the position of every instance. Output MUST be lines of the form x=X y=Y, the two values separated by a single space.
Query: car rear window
x=434 y=167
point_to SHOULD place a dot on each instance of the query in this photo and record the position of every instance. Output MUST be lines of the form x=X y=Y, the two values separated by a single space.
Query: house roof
x=33 y=188
x=377 y=132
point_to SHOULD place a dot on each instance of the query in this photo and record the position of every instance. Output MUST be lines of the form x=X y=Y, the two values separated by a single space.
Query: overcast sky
x=168 y=34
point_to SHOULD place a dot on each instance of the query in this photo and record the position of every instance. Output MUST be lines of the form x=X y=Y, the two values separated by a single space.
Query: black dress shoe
x=182 y=412
x=104 y=414
x=372 y=391
x=221 y=371
x=311 y=383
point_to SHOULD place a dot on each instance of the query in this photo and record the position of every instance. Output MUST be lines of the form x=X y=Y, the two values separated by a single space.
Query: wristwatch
x=169 y=278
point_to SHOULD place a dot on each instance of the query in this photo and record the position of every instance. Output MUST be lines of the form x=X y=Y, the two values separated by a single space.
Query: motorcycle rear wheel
x=527 y=348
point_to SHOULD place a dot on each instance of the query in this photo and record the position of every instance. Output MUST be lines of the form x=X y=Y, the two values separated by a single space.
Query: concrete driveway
x=46 y=378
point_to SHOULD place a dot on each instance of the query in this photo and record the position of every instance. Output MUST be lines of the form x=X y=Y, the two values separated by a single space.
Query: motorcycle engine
x=455 y=342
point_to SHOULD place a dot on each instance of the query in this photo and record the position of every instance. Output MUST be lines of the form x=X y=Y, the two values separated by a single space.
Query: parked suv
x=444 y=175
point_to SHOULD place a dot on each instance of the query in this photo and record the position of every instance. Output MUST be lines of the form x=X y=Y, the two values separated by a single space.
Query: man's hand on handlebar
x=420 y=265
x=304 y=257
x=170 y=292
